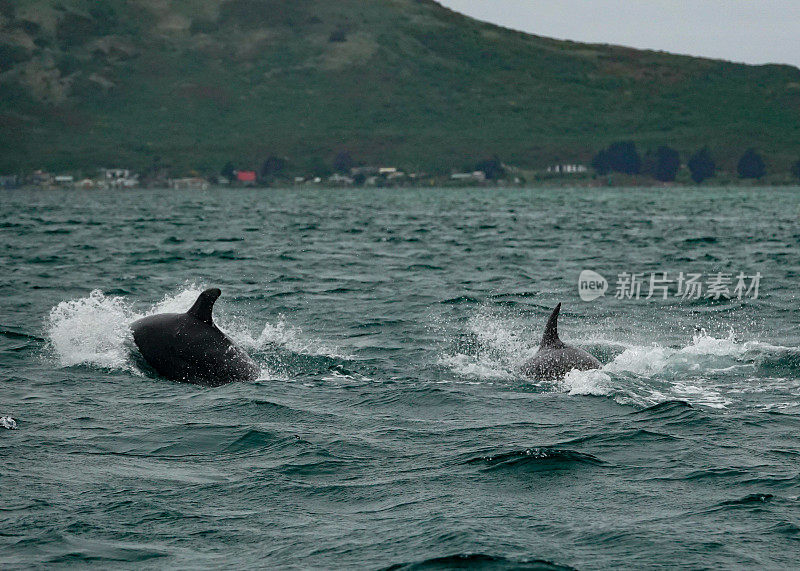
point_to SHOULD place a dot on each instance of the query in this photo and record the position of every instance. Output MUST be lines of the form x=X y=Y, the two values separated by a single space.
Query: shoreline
x=488 y=187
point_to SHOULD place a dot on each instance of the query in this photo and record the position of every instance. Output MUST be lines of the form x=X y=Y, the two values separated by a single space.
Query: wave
x=786 y=528
x=95 y=331
x=749 y=500
x=80 y=551
x=198 y=440
x=536 y=459
x=11 y=334
x=668 y=410
x=477 y=561
x=459 y=300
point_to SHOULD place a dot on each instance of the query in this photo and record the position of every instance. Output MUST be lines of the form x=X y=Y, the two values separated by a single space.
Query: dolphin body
x=188 y=347
x=555 y=359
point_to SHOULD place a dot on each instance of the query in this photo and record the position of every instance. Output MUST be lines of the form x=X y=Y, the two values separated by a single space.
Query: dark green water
x=390 y=425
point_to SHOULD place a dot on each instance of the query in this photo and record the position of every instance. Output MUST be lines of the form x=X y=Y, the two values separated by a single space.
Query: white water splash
x=293 y=339
x=643 y=391
x=502 y=349
x=593 y=382
x=95 y=331
x=703 y=352
x=470 y=367
x=707 y=371
x=179 y=302
x=91 y=331
x=497 y=334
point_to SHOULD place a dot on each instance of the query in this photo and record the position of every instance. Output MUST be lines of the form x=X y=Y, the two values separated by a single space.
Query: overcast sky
x=751 y=31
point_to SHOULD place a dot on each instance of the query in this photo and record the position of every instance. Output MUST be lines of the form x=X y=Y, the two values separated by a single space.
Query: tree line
x=664 y=163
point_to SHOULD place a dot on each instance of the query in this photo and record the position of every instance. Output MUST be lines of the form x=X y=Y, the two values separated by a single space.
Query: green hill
x=196 y=83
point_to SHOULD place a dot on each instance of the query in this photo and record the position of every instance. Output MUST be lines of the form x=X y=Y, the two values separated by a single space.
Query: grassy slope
x=199 y=82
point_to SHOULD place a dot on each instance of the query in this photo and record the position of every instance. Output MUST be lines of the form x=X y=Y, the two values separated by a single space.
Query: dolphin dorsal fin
x=550 y=338
x=204 y=305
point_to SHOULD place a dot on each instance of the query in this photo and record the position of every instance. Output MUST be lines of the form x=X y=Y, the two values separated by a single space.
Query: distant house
x=365 y=171
x=191 y=183
x=41 y=178
x=85 y=184
x=115 y=174
x=386 y=171
x=340 y=179
x=246 y=177
x=64 y=180
x=119 y=178
x=567 y=169
x=475 y=176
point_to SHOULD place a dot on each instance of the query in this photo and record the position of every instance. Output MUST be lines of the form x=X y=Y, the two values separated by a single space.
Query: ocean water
x=390 y=426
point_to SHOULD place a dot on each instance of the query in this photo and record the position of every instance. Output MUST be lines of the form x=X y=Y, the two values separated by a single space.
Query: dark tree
x=228 y=171
x=649 y=160
x=343 y=162
x=492 y=168
x=624 y=158
x=618 y=157
x=702 y=165
x=751 y=165
x=796 y=170
x=667 y=164
x=273 y=166
x=601 y=163
x=320 y=167
x=154 y=168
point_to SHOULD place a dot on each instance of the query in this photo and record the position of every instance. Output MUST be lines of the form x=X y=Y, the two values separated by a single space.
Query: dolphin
x=555 y=359
x=188 y=347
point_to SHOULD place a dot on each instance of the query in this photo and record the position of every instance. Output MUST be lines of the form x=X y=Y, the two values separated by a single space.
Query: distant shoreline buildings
x=619 y=164
x=121 y=179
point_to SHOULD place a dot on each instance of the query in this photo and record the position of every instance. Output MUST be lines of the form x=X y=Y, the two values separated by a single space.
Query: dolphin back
x=555 y=358
x=554 y=364
x=188 y=347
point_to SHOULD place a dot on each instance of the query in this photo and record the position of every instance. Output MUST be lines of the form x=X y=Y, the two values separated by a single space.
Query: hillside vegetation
x=197 y=83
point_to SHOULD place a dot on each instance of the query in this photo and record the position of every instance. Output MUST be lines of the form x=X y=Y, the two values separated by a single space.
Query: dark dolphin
x=188 y=347
x=555 y=359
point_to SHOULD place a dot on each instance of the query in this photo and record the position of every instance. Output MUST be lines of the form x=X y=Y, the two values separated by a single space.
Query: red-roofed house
x=246 y=177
